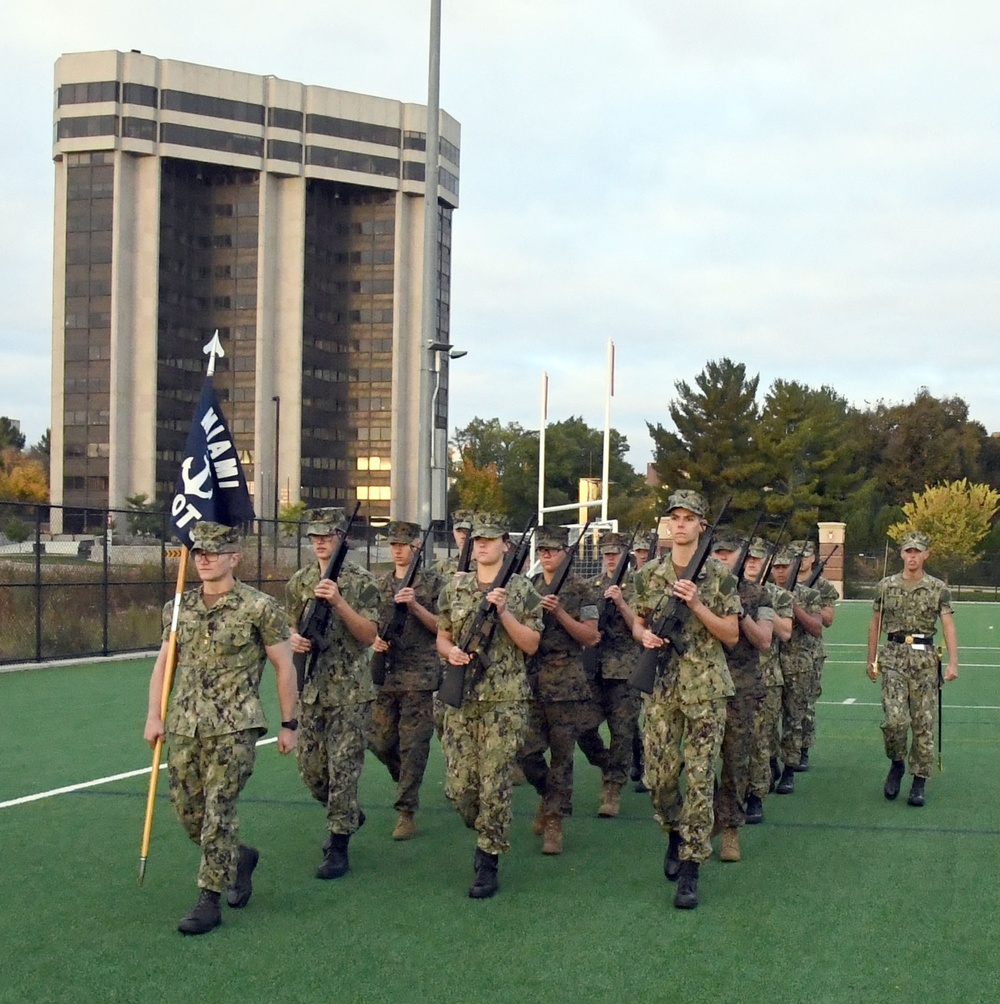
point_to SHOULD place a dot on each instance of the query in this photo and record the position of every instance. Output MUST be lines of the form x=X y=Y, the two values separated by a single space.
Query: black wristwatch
x=292 y=724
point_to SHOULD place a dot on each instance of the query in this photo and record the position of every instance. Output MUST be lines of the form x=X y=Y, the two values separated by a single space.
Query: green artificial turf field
x=840 y=896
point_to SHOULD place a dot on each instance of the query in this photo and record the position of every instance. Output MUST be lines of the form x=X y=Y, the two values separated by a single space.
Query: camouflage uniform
x=336 y=697
x=686 y=712
x=829 y=597
x=403 y=715
x=909 y=675
x=560 y=699
x=215 y=716
x=482 y=737
x=741 y=711
x=764 y=748
x=618 y=699
x=797 y=658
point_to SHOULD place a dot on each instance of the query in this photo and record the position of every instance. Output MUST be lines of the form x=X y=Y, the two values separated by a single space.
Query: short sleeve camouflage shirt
x=413 y=663
x=555 y=671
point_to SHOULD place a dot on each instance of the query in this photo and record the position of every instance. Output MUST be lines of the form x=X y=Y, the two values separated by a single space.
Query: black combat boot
x=241 y=891
x=803 y=764
x=891 y=787
x=786 y=783
x=775 y=772
x=335 y=863
x=672 y=859
x=686 y=897
x=755 y=810
x=485 y=883
x=206 y=914
x=917 y=791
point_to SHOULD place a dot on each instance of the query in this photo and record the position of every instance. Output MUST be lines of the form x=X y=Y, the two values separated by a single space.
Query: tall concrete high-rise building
x=287 y=216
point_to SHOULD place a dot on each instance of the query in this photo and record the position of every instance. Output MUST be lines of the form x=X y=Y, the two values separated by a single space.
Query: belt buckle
x=908 y=640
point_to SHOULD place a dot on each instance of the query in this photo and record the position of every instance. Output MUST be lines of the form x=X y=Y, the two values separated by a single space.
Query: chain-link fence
x=100 y=591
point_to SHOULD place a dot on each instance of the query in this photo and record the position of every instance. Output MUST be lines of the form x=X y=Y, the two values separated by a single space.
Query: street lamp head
x=439 y=346
x=458 y=353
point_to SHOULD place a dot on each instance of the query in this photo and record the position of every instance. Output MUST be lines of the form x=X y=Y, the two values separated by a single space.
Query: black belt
x=902 y=638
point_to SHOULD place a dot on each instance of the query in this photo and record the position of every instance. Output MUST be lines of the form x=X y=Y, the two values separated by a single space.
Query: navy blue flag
x=211 y=484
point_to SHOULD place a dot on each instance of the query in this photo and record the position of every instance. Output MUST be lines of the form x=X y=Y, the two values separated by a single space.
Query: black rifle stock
x=591 y=656
x=818 y=570
x=391 y=629
x=315 y=619
x=765 y=569
x=465 y=555
x=477 y=634
x=670 y=623
x=741 y=561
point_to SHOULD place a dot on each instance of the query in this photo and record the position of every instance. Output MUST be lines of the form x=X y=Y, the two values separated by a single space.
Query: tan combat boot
x=404 y=828
x=730 y=844
x=538 y=823
x=611 y=799
x=552 y=838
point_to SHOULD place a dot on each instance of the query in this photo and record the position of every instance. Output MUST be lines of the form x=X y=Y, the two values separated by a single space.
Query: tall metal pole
x=607 y=431
x=541 y=456
x=277 y=453
x=428 y=316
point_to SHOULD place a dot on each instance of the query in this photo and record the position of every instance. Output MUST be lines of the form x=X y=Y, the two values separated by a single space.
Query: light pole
x=277 y=450
x=437 y=462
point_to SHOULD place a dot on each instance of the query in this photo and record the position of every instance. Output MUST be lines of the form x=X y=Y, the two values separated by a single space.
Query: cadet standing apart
x=337 y=694
x=403 y=716
x=907 y=608
x=481 y=738
x=686 y=712
x=225 y=631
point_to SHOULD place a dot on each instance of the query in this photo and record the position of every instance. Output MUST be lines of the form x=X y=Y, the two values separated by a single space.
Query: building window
x=284 y=118
x=211 y=139
x=205 y=104
x=367 y=132
x=279 y=149
x=88 y=125
x=140 y=94
x=349 y=160
x=135 y=128
x=95 y=90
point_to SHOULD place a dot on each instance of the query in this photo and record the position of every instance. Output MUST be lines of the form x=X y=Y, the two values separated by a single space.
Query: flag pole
x=213 y=350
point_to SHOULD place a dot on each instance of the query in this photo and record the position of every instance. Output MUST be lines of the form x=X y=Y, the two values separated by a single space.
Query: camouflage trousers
x=588 y=735
x=813 y=694
x=331 y=752
x=909 y=702
x=620 y=702
x=737 y=741
x=687 y=736
x=552 y=726
x=765 y=742
x=793 y=713
x=481 y=740
x=206 y=776
x=401 y=730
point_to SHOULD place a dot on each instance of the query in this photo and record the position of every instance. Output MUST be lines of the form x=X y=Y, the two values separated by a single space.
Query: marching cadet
x=481 y=738
x=337 y=695
x=403 y=714
x=686 y=712
x=907 y=608
x=756 y=627
x=225 y=632
x=461 y=525
x=560 y=691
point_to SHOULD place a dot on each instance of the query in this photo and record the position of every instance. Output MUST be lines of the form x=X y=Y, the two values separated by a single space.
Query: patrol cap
x=551 y=536
x=400 y=532
x=727 y=538
x=642 y=544
x=461 y=519
x=914 y=540
x=759 y=548
x=489 y=524
x=214 y=538
x=786 y=555
x=325 y=521
x=612 y=543
x=803 y=547
x=687 y=499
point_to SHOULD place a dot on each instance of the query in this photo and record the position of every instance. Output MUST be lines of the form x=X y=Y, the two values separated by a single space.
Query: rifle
x=652 y=544
x=818 y=570
x=315 y=619
x=675 y=614
x=562 y=572
x=465 y=555
x=391 y=630
x=741 y=561
x=881 y=610
x=765 y=569
x=591 y=658
x=477 y=634
x=940 y=703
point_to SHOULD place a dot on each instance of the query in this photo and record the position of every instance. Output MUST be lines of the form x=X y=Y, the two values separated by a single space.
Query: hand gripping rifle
x=477 y=634
x=315 y=619
x=670 y=623
x=818 y=570
x=391 y=629
x=591 y=657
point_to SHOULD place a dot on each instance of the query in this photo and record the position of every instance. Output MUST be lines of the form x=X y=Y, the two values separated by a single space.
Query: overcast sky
x=812 y=189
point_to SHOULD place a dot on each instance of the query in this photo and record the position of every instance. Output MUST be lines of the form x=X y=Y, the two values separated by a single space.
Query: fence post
x=104 y=584
x=38 y=583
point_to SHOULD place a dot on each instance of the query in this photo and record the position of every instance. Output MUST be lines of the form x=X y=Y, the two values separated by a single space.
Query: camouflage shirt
x=744 y=659
x=618 y=649
x=701 y=673
x=913 y=610
x=780 y=601
x=798 y=653
x=555 y=671
x=505 y=680
x=220 y=659
x=340 y=675
x=827 y=597
x=412 y=662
